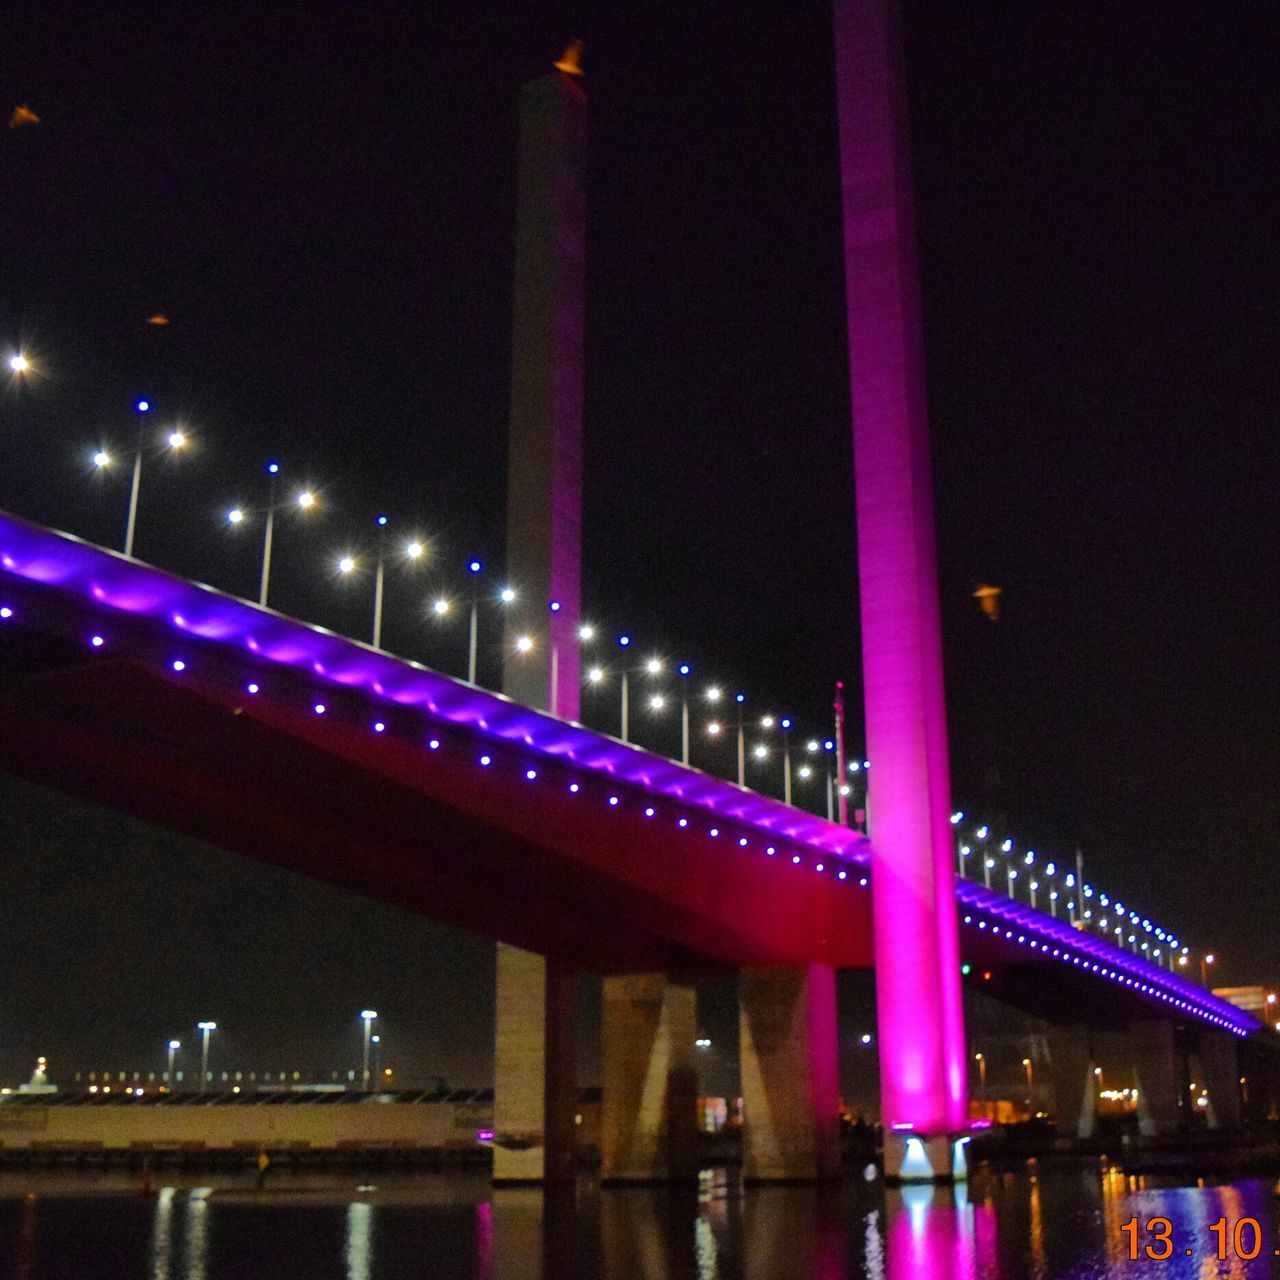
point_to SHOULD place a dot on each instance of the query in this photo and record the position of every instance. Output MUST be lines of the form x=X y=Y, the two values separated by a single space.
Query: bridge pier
x=535 y=1070
x=790 y=1078
x=1220 y=1068
x=649 y=1087
x=1161 y=1076
x=1071 y=1064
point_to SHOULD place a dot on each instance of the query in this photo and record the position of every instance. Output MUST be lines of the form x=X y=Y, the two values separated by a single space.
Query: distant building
x=1258 y=1001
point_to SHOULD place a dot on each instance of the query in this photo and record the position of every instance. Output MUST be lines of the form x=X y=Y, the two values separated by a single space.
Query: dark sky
x=320 y=197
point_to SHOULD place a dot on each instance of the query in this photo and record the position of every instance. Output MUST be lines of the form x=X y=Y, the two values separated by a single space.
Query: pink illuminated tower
x=922 y=1054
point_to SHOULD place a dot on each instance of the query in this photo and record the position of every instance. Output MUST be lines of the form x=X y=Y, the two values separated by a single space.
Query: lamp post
x=413 y=551
x=1026 y=1063
x=377 y=1058
x=305 y=501
x=367 y=1016
x=205 y=1028
x=142 y=408
x=1205 y=962
x=685 y=671
x=624 y=641
x=740 y=698
x=102 y=460
x=174 y=1046
x=981 y=1060
x=473 y=568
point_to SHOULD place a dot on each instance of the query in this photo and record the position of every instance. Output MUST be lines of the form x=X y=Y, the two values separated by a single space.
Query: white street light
x=174 y=1046
x=367 y=1016
x=205 y=1028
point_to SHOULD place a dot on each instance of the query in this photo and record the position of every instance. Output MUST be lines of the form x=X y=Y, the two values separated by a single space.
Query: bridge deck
x=201 y=712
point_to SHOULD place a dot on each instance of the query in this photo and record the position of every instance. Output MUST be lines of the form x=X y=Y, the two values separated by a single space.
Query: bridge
x=288 y=743
x=574 y=850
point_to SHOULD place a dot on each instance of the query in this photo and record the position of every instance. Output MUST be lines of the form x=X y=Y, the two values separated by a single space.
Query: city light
x=102 y=458
x=414 y=550
x=18 y=363
x=507 y=595
x=346 y=564
x=595 y=675
x=235 y=516
x=306 y=499
x=440 y=607
x=653 y=666
x=586 y=632
x=524 y=644
x=177 y=440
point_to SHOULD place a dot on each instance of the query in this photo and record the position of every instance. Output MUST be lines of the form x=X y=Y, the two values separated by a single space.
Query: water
x=1055 y=1225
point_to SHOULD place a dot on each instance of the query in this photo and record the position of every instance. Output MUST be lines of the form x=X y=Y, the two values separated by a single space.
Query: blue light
x=554 y=606
x=828 y=745
x=741 y=697
x=474 y=567
x=624 y=641
x=251 y=687
x=382 y=520
x=685 y=668
x=273 y=468
x=6 y=612
x=785 y=723
x=142 y=406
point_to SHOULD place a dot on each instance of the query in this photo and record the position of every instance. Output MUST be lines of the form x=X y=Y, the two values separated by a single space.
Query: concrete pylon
x=544 y=480
x=1159 y=1074
x=790 y=1074
x=1075 y=1087
x=534 y=1079
x=650 y=1097
x=1220 y=1065
x=921 y=1020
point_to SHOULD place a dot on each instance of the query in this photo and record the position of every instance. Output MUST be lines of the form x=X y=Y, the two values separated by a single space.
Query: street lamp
x=624 y=722
x=1026 y=1062
x=174 y=1046
x=305 y=500
x=981 y=1060
x=740 y=698
x=176 y=440
x=413 y=551
x=367 y=1016
x=19 y=364
x=204 y=1028
x=1205 y=962
x=685 y=671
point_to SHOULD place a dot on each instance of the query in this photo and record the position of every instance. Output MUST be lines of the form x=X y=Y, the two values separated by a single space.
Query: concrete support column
x=649 y=1120
x=1220 y=1063
x=790 y=1081
x=1158 y=1068
x=1075 y=1090
x=535 y=1075
x=917 y=952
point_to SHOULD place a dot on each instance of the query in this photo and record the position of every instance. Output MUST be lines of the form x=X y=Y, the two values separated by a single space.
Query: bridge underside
x=324 y=797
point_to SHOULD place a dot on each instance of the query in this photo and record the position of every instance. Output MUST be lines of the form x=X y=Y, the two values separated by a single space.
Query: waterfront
x=1060 y=1224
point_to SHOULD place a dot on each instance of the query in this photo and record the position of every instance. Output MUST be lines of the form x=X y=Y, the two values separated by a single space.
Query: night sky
x=320 y=198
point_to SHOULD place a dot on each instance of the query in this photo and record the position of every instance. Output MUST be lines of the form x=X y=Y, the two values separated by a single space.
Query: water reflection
x=359 y=1240
x=196 y=1252
x=1037 y=1224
